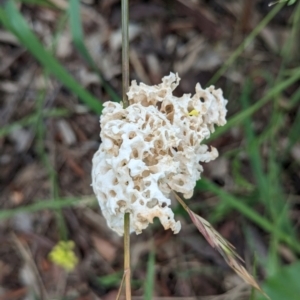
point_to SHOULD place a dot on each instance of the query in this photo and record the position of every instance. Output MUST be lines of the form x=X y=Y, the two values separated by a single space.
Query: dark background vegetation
x=61 y=60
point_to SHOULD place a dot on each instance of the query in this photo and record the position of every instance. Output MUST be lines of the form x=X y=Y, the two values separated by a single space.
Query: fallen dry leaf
x=104 y=248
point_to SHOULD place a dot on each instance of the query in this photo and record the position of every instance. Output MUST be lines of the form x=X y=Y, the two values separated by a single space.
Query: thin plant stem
x=239 y=50
x=181 y=202
x=127 y=256
x=120 y=288
x=125 y=87
x=125 y=53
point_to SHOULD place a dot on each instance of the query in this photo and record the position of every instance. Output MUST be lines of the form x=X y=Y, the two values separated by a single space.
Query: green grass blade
x=45 y=204
x=40 y=130
x=272 y=198
x=14 y=22
x=77 y=34
x=293 y=136
x=32 y=119
x=249 y=213
x=58 y=30
x=238 y=118
x=149 y=283
x=245 y=43
x=295 y=99
x=253 y=149
x=43 y=3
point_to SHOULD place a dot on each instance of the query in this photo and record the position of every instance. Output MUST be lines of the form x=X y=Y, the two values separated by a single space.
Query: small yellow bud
x=194 y=113
x=63 y=255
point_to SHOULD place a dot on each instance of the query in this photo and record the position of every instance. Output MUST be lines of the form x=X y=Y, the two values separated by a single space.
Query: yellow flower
x=63 y=255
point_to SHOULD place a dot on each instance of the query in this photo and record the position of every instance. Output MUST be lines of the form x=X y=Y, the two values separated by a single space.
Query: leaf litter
x=192 y=37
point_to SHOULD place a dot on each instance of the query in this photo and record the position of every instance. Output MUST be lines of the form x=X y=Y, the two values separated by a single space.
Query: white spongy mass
x=153 y=146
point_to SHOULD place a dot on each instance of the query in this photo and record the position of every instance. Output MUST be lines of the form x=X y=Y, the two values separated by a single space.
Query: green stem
x=125 y=87
x=125 y=53
x=251 y=214
x=246 y=43
x=41 y=132
x=127 y=255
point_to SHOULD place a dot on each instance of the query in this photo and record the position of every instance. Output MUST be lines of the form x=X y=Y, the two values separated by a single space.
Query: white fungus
x=152 y=147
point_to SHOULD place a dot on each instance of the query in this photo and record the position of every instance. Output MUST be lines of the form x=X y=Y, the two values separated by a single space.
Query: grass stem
x=125 y=53
x=249 y=39
x=127 y=256
x=125 y=87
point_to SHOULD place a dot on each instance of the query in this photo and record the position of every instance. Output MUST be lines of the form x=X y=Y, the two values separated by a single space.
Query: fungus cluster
x=151 y=147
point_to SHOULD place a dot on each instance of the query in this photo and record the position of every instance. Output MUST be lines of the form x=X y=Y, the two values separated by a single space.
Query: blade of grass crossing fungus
x=248 y=212
x=12 y=20
x=78 y=38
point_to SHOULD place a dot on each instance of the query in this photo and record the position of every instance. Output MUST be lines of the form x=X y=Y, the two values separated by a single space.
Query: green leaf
x=284 y=285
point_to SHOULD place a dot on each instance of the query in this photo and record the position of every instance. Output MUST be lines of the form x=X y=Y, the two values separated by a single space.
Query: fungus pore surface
x=151 y=147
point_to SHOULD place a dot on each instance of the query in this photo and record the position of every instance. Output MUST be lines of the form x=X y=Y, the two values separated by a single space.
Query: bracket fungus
x=152 y=147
